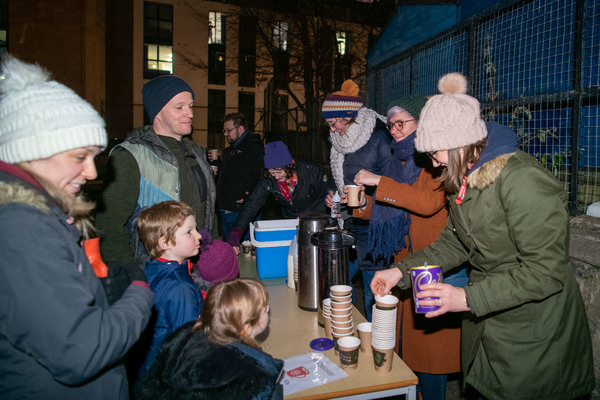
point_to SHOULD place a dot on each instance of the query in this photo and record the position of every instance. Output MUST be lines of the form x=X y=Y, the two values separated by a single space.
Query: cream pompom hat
x=40 y=117
x=451 y=119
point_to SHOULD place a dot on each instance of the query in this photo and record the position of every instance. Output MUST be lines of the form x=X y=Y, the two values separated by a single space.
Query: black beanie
x=160 y=90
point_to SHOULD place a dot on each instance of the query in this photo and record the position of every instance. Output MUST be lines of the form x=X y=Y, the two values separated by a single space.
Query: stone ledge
x=585 y=259
x=585 y=240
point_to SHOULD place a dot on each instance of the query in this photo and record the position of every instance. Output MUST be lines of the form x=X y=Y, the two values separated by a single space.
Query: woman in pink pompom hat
x=525 y=333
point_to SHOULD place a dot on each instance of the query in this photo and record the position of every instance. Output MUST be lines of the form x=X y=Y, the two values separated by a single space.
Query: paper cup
x=340 y=290
x=342 y=325
x=386 y=302
x=353 y=191
x=364 y=334
x=383 y=359
x=328 y=331
x=342 y=331
x=336 y=337
x=421 y=276
x=341 y=306
x=341 y=311
x=214 y=153
x=348 y=349
x=341 y=299
x=341 y=318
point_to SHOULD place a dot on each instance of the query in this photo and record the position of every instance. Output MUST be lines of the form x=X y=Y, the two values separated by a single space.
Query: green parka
x=527 y=336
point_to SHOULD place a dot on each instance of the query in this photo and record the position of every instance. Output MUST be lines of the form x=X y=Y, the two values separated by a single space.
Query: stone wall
x=585 y=257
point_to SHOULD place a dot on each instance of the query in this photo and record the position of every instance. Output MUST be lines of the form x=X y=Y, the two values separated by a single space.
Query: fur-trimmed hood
x=503 y=142
x=17 y=192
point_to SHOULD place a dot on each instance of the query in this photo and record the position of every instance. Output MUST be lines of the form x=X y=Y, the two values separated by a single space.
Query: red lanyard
x=463 y=187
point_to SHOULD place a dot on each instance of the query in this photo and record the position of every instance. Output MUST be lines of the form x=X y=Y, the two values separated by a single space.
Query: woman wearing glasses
x=407 y=213
x=359 y=140
x=525 y=334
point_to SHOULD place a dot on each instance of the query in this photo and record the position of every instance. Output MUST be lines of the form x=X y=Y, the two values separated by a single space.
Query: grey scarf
x=356 y=136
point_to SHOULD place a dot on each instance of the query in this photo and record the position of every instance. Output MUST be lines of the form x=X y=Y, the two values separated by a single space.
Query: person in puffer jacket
x=59 y=336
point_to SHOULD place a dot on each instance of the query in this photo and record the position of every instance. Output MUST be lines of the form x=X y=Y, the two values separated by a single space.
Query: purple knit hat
x=277 y=155
x=217 y=261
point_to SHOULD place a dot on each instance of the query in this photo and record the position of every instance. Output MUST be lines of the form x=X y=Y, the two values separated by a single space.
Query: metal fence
x=534 y=66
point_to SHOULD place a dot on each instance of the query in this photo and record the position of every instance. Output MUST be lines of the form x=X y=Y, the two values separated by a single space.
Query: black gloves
x=119 y=278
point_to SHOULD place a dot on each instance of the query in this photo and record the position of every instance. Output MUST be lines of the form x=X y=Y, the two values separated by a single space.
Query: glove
x=136 y=272
x=115 y=283
x=206 y=240
x=234 y=238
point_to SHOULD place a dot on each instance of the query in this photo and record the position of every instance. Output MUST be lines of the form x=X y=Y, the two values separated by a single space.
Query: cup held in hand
x=353 y=195
x=421 y=276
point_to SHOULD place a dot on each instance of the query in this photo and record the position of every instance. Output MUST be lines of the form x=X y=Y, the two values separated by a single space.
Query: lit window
x=215 y=25
x=160 y=58
x=158 y=39
x=340 y=38
x=280 y=35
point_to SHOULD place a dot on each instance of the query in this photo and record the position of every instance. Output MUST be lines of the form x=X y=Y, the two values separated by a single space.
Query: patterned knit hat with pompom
x=450 y=120
x=342 y=104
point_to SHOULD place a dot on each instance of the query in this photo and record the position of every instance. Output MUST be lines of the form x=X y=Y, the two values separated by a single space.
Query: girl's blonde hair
x=458 y=164
x=77 y=207
x=228 y=307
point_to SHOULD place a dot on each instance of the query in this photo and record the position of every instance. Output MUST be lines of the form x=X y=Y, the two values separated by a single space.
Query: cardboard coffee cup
x=328 y=332
x=382 y=359
x=348 y=348
x=353 y=192
x=386 y=302
x=340 y=290
x=214 y=154
x=364 y=334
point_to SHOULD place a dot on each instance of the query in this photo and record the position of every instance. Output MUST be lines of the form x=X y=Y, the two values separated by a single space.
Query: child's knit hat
x=40 y=117
x=450 y=120
x=217 y=260
x=342 y=104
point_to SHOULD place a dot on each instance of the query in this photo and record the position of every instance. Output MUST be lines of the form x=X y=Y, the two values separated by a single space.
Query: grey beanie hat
x=450 y=120
x=40 y=117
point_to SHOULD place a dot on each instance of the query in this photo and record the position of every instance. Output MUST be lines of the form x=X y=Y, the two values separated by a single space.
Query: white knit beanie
x=450 y=120
x=40 y=117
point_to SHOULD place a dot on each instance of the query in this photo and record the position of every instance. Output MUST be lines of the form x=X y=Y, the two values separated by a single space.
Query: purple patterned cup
x=421 y=276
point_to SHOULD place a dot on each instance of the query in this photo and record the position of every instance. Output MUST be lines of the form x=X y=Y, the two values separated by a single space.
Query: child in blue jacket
x=168 y=231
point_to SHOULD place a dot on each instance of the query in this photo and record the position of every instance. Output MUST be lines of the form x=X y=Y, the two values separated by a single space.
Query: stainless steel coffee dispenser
x=308 y=260
x=334 y=254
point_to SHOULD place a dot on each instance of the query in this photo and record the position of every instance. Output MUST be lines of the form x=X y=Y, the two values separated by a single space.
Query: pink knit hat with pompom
x=450 y=120
x=217 y=261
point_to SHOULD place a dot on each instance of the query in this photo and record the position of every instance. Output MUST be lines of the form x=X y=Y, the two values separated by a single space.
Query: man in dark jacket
x=299 y=186
x=240 y=169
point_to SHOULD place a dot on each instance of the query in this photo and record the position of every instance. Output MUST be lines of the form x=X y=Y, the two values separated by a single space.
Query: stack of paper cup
x=383 y=335
x=327 y=317
x=341 y=312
